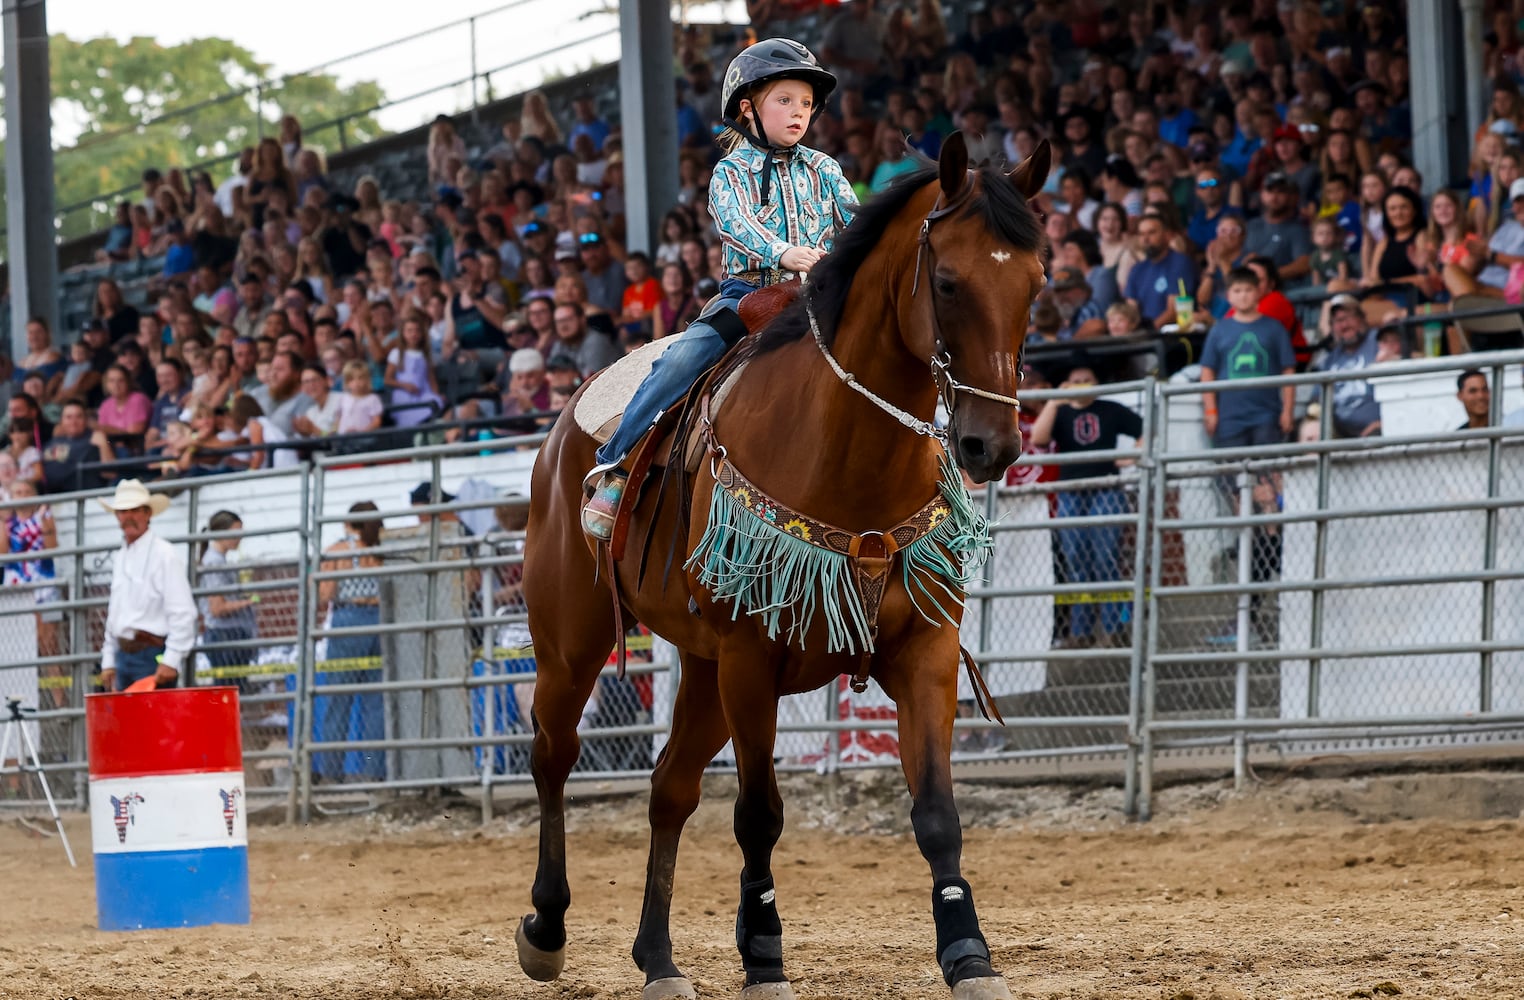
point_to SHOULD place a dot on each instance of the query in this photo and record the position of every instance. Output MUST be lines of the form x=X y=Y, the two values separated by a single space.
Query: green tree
x=108 y=95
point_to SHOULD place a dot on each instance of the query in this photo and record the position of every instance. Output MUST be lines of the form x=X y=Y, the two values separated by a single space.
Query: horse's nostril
x=973 y=449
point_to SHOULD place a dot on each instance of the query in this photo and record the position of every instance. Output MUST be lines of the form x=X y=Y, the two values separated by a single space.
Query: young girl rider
x=777 y=204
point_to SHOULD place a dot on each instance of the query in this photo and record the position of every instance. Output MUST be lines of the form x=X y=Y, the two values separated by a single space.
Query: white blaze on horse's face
x=1000 y=256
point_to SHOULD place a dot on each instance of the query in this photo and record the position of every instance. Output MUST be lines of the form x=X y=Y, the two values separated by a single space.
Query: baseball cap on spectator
x=1068 y=278
x=1287 y=131
x=525 y=359
x=566 y=253
x=562 y=362
x=1367 y=85
x=534 y=229
x=1504 y=127
x=465 y=253
x=423 y=493
x=1231 y=67
x=249 y=278
x=589 y=240
x=93 y=325
x=1516 y=190
x=340 y=202
x=1204 y=151
x=449 y=198
x=1343 y=301
x=1277 y=180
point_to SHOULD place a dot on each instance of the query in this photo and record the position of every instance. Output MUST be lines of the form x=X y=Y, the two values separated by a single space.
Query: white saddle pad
x=599 y=408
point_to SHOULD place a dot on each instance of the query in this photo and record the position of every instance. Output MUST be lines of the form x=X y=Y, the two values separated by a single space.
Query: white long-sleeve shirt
x=150 y=591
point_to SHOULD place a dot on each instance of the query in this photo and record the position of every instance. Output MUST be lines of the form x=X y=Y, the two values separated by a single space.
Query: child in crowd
x=1344 y=210
x=1329 y=261
x=1247 y=344
x=410 y=376
x=641 y=296
x=773 y=92
x=1123 y=319
x=360 y=409
x=178 y=451
x=79 y=366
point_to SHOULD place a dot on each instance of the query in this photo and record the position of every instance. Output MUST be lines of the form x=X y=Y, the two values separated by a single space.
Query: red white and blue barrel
x=167 y=810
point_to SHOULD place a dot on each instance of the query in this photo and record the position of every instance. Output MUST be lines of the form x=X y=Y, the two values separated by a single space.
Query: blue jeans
x=341 y=717
x=133 y=667
x=1091 y=555
x=673 y=374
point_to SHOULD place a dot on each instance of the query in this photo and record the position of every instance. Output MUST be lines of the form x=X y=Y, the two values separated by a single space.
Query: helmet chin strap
x=760 y=141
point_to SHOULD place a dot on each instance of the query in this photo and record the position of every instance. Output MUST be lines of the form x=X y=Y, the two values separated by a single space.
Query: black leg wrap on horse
x=759 y=932
x=958 y=937
x=727 y=323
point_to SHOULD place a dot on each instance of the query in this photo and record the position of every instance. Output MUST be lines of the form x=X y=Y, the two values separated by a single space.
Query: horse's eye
x=945 y=286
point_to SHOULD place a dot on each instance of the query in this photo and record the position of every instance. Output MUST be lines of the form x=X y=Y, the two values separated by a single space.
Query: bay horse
x=924 y=297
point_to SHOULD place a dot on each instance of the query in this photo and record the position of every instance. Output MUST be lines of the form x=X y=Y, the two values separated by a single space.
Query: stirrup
x=595 y=475
x=598 y=513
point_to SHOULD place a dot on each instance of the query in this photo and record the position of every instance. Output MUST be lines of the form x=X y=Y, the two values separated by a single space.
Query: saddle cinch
x=602 y=404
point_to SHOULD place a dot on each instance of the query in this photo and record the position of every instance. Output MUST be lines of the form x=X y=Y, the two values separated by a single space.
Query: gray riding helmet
x=774 y=59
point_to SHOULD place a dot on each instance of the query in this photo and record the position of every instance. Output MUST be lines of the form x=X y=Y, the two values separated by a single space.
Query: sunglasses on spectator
x=589 y=239
x=1210 y=182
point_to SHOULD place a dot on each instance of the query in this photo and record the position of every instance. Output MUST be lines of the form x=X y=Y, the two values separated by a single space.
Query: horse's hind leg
x=749 y=693
x=571 y=648
x=698 y=733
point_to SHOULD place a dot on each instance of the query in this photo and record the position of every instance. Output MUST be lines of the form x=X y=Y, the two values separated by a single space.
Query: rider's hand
x=800 y=259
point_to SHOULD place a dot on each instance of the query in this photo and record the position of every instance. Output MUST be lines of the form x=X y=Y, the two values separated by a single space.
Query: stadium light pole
x=32 y=251
x=648 y=117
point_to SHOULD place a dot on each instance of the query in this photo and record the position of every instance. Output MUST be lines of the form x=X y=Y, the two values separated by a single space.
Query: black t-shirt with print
x=1095 y=428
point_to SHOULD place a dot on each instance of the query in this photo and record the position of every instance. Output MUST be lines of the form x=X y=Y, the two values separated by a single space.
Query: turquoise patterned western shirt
x=809 y=203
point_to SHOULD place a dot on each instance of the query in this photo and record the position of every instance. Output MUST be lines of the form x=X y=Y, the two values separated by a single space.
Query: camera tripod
x=14 y=722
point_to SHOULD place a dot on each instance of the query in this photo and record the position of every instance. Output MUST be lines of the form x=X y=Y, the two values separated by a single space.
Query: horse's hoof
x=671 y=988
x=768 y=991
x=981 y=988
x=541 y=966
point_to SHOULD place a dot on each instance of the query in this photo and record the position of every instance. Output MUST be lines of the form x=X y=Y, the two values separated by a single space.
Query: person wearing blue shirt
x=179 y=258
x=1154 y=281
x=1247 y=345
x=588 y=123
x=1240 y=151
x=1212 y=205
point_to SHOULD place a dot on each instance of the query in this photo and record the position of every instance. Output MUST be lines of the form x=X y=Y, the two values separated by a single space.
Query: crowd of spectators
x=1190 y=142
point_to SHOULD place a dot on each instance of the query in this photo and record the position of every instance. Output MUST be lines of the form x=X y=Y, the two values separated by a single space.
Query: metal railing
x=1201 y=609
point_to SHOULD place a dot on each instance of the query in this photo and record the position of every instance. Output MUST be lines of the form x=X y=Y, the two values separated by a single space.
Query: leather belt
x=766 y=276
x=138 y=641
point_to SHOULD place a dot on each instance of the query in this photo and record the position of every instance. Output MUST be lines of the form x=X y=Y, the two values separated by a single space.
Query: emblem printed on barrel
x=124 y=813
x=230 y=806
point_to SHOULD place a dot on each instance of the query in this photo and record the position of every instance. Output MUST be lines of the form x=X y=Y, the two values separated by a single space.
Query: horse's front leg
x=749 y=694
x=922 y=678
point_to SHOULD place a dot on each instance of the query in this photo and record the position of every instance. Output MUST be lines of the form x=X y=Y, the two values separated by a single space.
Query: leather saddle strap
x=608 y=566
x=982 y=696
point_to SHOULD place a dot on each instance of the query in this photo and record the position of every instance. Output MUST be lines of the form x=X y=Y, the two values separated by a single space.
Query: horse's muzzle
x=985 y=457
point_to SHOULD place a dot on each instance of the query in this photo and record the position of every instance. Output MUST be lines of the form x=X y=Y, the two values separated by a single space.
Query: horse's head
x=977 y=268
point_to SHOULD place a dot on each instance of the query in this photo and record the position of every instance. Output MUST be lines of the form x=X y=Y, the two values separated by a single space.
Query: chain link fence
x=1190 y=608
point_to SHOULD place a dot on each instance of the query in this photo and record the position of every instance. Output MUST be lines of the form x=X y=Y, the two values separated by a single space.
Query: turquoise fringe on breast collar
x=748 y=560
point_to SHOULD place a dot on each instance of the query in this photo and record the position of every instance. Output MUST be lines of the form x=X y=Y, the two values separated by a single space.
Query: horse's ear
x=953 y=164
x=1032 y=173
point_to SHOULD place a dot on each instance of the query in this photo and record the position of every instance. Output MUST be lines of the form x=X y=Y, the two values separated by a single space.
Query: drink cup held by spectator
x=150 y=615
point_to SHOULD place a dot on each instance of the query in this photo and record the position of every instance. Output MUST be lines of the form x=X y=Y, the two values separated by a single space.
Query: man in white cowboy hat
x=151 y=617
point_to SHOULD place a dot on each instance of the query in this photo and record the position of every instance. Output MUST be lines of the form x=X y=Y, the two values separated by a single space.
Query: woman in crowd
x=227 y=616
x=124 y=412
x=42 y=359
x=270 y=174
x=677 y=307
x=354 y=602
x=1117 y=251
x=1223 y=254
x=1392 y=258
x=1373 y=188
x=110 y=308
x=312 y=268
x=447 y=150
x=536 y=121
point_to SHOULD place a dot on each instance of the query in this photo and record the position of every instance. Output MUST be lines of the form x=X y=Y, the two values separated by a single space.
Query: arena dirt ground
x=1357 y=887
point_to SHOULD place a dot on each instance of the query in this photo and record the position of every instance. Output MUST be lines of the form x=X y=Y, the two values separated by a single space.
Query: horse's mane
x=1006 y=214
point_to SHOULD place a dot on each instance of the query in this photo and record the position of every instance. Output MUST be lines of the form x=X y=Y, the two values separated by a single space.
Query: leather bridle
x=942 y=377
